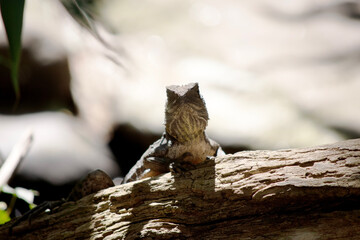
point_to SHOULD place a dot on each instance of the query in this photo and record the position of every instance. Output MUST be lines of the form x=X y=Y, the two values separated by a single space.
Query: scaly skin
x=184 y=140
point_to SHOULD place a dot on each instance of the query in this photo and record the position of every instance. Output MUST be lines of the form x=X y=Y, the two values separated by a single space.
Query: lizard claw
x=35 y=212
x=179 y=169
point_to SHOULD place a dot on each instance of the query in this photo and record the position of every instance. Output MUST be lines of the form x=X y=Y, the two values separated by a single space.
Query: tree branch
x=310 y=193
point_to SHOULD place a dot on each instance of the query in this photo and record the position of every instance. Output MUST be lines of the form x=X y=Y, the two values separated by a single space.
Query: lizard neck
x=189 y=139
x=186 y=122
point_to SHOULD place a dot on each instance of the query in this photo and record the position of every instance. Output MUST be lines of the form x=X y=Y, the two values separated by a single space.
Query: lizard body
x=184 y=140
x=91 y=183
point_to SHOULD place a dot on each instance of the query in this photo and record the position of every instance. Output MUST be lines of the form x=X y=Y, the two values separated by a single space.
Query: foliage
x=12 y=15
x=4 y=216
x=16 y=193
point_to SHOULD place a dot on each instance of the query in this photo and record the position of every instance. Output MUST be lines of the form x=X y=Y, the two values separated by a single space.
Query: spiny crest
x=178 y=91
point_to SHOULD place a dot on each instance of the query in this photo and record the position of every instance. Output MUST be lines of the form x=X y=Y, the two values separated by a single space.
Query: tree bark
x=311 y=193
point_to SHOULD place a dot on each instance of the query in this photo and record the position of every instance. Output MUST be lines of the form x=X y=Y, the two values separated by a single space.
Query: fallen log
x=311 y=193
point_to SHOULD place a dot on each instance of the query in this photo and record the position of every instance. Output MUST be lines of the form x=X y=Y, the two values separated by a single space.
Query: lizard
x=91 y=183
x=184 y=142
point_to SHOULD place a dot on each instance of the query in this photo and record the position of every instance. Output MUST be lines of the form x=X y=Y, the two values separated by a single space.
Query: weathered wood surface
x=311 y=193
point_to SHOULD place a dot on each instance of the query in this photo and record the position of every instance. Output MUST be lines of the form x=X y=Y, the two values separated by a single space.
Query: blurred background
x=274 y=75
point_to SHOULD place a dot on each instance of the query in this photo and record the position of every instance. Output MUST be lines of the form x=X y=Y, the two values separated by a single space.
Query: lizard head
x=186 y=116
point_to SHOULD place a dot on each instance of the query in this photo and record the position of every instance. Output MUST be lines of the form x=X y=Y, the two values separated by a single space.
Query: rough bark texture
x=311 y=193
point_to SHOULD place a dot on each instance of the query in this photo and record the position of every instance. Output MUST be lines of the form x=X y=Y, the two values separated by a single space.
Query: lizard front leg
x=159 y=165
x=155 y=166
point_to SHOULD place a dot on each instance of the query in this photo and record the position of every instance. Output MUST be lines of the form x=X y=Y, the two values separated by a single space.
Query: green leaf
x=12 y=15
x=4 y=217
